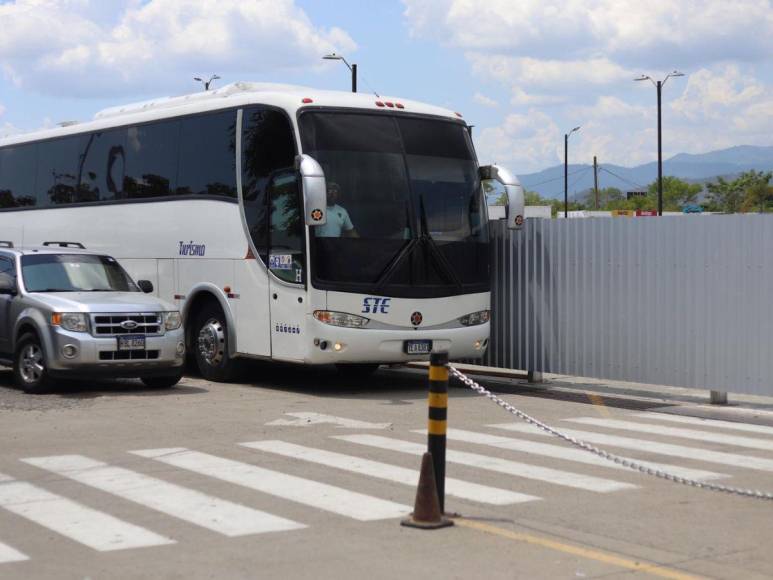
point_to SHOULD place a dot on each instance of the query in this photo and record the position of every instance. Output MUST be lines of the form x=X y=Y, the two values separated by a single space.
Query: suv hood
x=94 y=302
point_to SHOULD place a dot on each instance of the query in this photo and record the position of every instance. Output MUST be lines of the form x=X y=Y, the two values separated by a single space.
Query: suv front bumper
x=99 y=356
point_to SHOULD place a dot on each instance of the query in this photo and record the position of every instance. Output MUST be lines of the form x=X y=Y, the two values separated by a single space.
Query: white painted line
x=228 y=518
x=568 y=453
x=309 y=419
x=525 y=470
x=764 y=429
x=9 y=554
x=455 y=487
x=305 y=491
x=75 y=521
x=648 y=446
x=705 y=436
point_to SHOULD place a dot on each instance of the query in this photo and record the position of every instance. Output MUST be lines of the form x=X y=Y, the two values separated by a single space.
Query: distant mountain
x=700 y=168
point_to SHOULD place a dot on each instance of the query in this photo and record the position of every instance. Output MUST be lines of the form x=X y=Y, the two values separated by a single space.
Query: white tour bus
x=287 y=223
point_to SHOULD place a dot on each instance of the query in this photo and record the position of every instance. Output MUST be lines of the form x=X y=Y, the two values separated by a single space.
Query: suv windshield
x=74 y=273
x=405 y=212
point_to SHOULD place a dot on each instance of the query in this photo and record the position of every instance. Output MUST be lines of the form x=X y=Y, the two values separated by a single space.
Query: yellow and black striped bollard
x=438 y=417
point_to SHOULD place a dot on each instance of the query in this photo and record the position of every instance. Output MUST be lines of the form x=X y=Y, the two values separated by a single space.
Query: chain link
x=605 y=454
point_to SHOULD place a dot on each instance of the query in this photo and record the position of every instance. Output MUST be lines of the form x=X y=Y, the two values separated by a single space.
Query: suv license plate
x=417 y=346
x=131 y=343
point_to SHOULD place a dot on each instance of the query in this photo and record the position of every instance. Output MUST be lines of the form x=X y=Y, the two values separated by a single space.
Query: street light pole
x=207 y=82
x=352 y=67
x=659 y=88
x=566 y=171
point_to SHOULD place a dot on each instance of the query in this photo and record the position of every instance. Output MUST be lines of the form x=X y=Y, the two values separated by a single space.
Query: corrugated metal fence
x=682 y=301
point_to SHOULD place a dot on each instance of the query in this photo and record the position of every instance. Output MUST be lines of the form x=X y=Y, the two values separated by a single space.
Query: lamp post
x=659 y=87
x=207 y=82
x=566 y=171
x=352 y=67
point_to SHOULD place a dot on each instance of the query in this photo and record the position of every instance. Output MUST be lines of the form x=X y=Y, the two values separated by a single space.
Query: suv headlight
x=475 y=318
x=340 y=319
x=72 y=321
x=172 y=320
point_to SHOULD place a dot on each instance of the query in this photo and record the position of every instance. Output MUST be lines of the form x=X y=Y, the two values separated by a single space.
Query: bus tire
x=210 y=345
x=357 y=371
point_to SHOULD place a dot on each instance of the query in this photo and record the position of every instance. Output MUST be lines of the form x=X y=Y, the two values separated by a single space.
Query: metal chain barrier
x=600 y=452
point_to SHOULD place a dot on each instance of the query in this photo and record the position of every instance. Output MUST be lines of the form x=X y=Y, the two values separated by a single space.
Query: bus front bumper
x=361 y=345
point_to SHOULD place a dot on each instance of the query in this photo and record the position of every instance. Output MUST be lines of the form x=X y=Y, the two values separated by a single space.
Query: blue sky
x=522 y=71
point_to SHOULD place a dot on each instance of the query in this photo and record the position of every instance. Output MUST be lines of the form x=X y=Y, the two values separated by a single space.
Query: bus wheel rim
x=211 y=342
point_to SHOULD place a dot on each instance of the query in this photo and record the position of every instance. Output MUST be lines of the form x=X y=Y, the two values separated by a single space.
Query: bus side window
x=268 y=145
x=17 y=176
x=286 y=227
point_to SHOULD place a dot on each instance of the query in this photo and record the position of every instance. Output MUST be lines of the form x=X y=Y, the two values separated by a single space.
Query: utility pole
x=596 y=180
x=566 y=171
x=354 y=78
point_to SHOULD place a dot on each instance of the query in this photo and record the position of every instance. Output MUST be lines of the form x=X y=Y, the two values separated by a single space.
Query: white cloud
x=522 y=140
x=79 y=47
x=485 y=101
x=712 y=93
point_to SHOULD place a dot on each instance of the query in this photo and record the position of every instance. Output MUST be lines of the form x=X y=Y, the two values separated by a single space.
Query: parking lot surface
x=299 y=473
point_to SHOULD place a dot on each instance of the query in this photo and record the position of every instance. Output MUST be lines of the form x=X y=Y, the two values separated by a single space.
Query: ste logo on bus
x=375 y=305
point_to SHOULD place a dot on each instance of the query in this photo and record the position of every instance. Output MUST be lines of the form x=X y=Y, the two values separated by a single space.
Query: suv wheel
x=210 y=345
x=29 y=365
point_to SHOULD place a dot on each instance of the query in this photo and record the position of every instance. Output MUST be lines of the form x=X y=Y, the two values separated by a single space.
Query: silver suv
x=66 y=312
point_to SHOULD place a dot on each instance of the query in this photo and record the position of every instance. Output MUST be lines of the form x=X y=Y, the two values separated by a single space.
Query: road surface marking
x=587 y=553
x=566 y=452
x=765 y=429
x=648 y=446
x=525 y=470
x=309 y=419
x=9 y=554
x=649 y=428
x=225 y=517
x=75 y=521
x=455 y=487
x=305 y=491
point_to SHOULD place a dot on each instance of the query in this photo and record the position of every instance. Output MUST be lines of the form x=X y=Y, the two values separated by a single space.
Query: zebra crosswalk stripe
x=219 y=515
x=9 y=554
x=647 y=446
x=297 y=489
x=525 y=470
x=569 y=454
x=649 y=428
x=73 y=520
x=718 y=423
x=402 y=475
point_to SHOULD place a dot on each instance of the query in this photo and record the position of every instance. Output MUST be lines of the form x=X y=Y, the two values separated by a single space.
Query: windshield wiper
x=445 y=266
x=54 y=290
x=100 y=290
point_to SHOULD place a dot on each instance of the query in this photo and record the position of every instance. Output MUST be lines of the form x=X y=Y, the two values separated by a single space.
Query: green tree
x=725 y=196
x=758 y=194
x=676 y=193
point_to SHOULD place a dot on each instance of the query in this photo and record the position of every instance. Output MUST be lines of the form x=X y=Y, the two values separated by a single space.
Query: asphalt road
x=297 y=473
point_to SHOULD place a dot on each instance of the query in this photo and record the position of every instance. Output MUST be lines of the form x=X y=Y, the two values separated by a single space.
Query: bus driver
x=338 y=221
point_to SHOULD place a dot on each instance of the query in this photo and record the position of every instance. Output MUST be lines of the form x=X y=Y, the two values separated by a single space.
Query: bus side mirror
x=515 y=200
x=314 y=189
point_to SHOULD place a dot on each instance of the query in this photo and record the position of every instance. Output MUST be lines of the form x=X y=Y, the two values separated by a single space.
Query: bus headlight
x=72 y=321
x=340 y=319
x=172 y=320
x=475 y=318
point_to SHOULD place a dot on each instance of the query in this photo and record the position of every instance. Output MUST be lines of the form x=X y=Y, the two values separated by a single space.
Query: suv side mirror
x=515 y=199
x=314 y=189
x=7 y=285
x=145 y=285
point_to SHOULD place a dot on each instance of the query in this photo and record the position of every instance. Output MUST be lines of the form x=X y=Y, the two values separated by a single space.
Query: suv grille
x=117 y=324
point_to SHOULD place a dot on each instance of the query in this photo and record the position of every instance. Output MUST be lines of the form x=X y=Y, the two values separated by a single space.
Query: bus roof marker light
x=379 y=104
x=306 y=100
x=458 y=114
x=389 y=104
x=399 y=105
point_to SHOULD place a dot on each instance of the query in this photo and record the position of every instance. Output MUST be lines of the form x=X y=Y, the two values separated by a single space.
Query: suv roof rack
x=5 y=244
x=66 y=245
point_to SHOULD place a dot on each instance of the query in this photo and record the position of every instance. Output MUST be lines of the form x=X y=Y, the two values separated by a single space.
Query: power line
x=557 y=178
x=639 y=185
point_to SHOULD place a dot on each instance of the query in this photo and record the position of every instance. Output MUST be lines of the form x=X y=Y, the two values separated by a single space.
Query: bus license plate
x=418 y=346
x=131 y=343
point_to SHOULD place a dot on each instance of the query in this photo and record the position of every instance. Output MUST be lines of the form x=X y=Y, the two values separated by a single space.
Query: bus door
x=286 y=262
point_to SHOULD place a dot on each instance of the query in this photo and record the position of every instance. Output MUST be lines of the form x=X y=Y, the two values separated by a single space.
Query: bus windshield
x=405 y=209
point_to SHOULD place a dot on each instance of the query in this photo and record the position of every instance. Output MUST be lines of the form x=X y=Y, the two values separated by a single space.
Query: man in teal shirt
x=339 y=224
